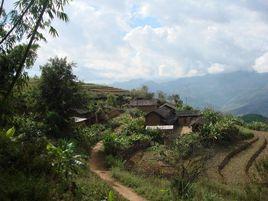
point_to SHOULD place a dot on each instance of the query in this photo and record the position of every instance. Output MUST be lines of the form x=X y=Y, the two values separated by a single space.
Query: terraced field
x=237 y=166
x=102 y=89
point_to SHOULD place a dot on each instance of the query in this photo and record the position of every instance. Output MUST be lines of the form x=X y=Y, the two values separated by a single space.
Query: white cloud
x=216 y=68
x=115 y=40
x=261 y=64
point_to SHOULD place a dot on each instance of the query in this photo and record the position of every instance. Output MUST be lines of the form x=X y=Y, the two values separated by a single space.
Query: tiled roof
x=143 y=102
x=167 y=115
x=169 y=105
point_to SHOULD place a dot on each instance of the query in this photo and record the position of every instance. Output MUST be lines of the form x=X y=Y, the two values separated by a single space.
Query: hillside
x=103 y=89
x=238 y=92
x=248 y=118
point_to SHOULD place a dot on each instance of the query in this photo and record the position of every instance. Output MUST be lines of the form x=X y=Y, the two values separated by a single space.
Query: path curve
x=96 y=164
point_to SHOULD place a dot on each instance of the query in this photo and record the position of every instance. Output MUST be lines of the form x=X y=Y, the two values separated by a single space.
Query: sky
x=119 y=40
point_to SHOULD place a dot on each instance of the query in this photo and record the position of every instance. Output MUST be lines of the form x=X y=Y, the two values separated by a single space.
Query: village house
x=173 y=123
x=168 y=115
x=144 y=105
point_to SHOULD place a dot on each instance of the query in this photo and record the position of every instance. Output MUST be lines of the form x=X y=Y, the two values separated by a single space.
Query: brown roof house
x=185 y=118
x=144 y=104
x=167 y=114
x=170 y=121
x=161 y=116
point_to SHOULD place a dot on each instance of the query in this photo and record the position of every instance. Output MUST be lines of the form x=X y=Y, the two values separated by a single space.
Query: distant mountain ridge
x=239 y=92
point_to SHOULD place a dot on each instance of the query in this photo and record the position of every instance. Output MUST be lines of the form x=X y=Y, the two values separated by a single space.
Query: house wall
x=152 y=119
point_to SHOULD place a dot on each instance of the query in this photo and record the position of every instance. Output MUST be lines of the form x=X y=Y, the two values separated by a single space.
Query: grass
x=158 y=189
x=152 y=188
x=92 y=188
x=205 y=190
x=245 y=132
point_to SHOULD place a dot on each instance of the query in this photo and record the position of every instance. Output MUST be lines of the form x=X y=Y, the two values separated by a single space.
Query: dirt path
x=97 y=166
x=234 y=171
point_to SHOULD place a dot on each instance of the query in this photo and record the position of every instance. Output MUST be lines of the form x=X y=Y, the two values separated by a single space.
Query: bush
x=259 y=126
x=187 y=144
x=245 y=133
x=64 y=161
x=54 y=124
x=221 y=129
x=16 y=185
x=114 y=161
x=88 y=136
x=28 y=127
x=128 y=136
x=152 y=188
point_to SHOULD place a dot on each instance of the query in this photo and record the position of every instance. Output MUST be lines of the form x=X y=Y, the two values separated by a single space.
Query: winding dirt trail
x=234 y=171
x=97 y=166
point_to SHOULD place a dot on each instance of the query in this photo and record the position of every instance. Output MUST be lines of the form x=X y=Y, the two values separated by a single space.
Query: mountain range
x=240 y=92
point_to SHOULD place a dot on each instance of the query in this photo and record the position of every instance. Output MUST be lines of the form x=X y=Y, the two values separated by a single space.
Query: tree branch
x=2 y=7
x=17 y=22
x=20 y=68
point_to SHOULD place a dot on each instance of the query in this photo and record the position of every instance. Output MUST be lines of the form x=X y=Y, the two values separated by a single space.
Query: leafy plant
x=64 y=161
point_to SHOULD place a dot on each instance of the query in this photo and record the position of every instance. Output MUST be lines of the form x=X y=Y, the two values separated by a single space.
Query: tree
x=176 y=99
x=8 y=66
x=142 y=92
x=161 y=96
x=29 y=23
x=111 y=100
x=59 y=90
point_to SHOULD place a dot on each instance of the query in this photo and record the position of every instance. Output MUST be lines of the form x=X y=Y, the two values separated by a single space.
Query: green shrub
x=88 y=136
x=28 y=127
x=114 y=161
x=129 y=134
x=187 y=173
x=54 y=124
x=92 y=188
x=221 y=129
x=135 y=113
x=259 y=126
x=152 y=188
x=187 y=144
x=64 y=161
x=15 y=185
x=245 y=133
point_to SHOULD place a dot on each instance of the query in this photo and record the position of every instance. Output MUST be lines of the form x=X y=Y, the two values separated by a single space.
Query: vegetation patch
x=152 y=188
x=129 y=135
x=92 y=188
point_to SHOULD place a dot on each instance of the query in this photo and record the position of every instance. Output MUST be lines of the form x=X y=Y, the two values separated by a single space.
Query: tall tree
x=40 y=14
x=60 y=91
x=176 y=99
x=161 y=96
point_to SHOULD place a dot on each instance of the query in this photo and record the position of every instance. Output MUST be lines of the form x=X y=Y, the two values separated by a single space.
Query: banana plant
x=65 y=161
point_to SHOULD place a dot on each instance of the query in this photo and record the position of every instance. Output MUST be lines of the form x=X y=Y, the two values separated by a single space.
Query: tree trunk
x=2 y=7
x=17 y=22
x=20 y=68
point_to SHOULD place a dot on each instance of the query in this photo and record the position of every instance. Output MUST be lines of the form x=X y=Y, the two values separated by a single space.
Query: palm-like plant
x=64 y=160
x=36 y=15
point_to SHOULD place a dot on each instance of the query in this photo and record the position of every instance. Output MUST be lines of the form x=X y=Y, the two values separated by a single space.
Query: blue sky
x=117 y=40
